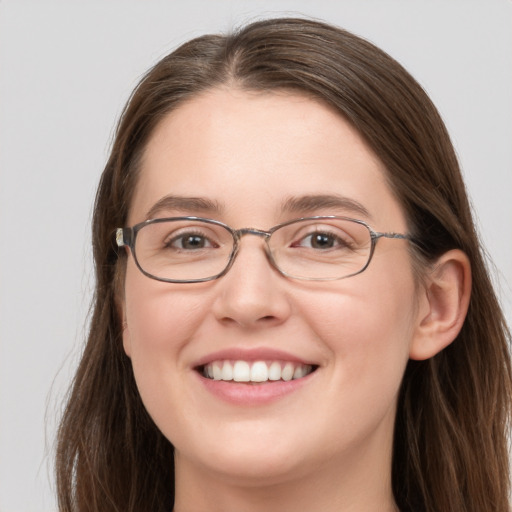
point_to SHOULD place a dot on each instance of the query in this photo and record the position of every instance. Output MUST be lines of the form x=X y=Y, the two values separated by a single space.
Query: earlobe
x=126 y=338
x=443 y=305
x=121 y=311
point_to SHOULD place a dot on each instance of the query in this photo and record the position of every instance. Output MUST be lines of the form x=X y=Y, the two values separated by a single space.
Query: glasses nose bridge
x=239 y=233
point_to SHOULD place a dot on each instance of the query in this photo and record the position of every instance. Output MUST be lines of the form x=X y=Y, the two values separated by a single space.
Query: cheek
x=367 y=325
x=365 y=337
x=364 y=312
x=158 y=316
x=160 y=322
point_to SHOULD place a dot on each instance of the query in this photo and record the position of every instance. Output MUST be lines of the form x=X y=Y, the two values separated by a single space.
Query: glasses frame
x=126 y=237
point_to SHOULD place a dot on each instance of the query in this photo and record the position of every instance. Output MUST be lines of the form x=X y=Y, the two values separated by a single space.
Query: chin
x=249 y=459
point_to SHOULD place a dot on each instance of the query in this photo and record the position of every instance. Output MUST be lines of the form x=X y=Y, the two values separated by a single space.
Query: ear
x=443 y=305
x=126 y=337
x=121 y=313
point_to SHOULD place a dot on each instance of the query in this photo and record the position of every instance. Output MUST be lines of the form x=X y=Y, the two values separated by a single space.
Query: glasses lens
x=322 y=248
x=183 y=250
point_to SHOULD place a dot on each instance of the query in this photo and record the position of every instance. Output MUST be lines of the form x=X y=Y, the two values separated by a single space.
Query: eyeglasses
x=193 y=249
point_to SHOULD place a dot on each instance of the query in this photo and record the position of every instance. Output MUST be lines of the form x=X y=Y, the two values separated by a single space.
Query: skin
x=327 y=446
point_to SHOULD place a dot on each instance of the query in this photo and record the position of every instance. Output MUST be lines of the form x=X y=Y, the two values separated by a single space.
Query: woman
x=292 y=311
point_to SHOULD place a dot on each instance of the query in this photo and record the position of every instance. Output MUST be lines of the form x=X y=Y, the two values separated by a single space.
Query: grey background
x=66 y=69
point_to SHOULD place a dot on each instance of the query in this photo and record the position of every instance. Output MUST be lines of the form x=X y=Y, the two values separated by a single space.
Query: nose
x=252 y=294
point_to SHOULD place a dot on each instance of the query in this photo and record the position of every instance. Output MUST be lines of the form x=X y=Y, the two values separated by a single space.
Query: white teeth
x=257 y=371
x=287 y=372
x=241 y=372
x=299 y=372
x=217 y=371
x=227 y=371
x=274 y=372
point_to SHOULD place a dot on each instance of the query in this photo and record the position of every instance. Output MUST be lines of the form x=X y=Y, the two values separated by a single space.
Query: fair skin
x=325 y=445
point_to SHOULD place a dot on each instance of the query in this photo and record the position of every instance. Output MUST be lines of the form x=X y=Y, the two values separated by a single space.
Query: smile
x=255 y=371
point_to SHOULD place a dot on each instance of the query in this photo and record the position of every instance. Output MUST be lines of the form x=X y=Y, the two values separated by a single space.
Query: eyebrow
x=184 y=204
x=312 y=203
x=299 y=205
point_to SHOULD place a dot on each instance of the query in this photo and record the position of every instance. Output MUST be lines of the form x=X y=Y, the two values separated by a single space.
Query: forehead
x=251 y=152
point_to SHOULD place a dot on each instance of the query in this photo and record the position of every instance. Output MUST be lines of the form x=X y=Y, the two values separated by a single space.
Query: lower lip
x=253 y=394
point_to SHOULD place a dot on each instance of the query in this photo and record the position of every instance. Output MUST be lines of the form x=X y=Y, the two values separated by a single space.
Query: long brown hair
x=450 y=448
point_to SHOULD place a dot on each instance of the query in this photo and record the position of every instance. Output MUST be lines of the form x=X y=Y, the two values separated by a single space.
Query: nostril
x=267 y=319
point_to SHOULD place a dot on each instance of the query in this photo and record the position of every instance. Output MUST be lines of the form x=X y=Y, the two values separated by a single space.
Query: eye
x=322 y=240
x=319 y=241
x=190 y=242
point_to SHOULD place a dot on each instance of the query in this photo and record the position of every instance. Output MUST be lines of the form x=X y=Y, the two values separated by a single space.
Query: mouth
x=258 y=376
x=255 y=372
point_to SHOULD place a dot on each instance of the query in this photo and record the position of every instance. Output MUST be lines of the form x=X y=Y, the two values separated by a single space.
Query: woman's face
x=250 y=156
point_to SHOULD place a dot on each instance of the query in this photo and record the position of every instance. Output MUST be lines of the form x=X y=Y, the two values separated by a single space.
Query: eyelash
x=336 y=240
x=169 y=244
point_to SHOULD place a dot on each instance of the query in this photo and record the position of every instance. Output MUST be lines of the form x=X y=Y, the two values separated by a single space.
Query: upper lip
x=253 y=354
